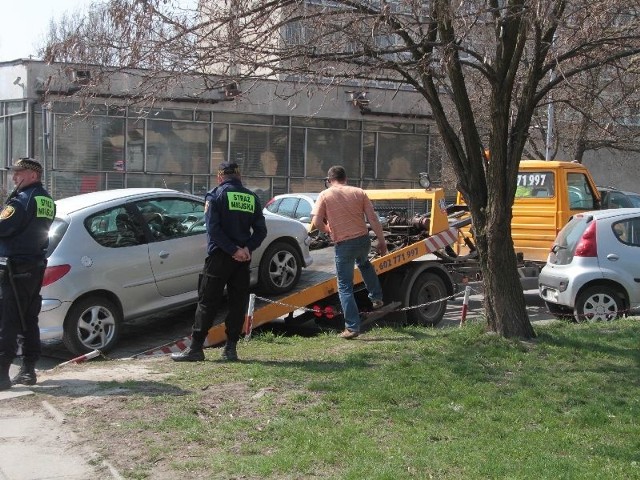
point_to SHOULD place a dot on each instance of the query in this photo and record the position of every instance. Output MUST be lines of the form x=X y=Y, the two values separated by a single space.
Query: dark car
x=611 y=197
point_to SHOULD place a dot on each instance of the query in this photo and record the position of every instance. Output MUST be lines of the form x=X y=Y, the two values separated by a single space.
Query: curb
x=59 y=417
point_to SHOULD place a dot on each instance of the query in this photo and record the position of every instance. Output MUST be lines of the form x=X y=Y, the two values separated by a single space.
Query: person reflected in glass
x=399 y=168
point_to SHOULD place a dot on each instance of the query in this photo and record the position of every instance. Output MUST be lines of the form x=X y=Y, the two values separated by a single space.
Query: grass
x=395 y=404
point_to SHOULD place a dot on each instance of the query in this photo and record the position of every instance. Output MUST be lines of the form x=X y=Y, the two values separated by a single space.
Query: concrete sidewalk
x=35 y=444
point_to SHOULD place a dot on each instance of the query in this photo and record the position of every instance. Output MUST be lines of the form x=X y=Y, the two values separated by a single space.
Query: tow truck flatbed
x=404 y=280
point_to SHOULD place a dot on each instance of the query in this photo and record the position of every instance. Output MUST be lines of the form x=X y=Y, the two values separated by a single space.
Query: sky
x=26 y=22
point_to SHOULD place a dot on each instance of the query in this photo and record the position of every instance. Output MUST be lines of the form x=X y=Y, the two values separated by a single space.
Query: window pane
x=219 y=153
x=302 y=185
x=171 y=147
x=259 y=150
x=303 y=209
x=273 y=206
x=333 y=147
x=115 y=228
x=580 y=195
x=297 y=152
x=369 y=155
x=173 y=217
x=3 y=143
x=82 y=144
x=243 y=118
x=401 y=157
x=288 y=207
x=319 y=122
x=18 y=136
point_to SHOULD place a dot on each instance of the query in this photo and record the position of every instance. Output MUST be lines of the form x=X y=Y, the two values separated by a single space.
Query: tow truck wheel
x=427 y=288
x=92 y=323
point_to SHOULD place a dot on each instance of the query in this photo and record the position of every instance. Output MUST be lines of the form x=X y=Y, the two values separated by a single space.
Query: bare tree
x=482 y=66
x=594 y=110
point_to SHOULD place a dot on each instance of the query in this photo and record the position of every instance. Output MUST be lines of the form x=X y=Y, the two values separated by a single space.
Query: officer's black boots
x=229 y=353
x=26 y=375
x=195 y=353
x=192 y=354
x=5 y=381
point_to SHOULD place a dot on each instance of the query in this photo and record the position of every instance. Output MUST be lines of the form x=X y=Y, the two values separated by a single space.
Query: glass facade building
x=111 y=146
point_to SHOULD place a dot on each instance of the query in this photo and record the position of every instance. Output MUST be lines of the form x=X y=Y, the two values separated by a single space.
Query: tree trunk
x=504 y=303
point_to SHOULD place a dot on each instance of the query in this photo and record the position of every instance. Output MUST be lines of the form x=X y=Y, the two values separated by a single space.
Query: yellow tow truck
x=410 y=274
x=548 y=194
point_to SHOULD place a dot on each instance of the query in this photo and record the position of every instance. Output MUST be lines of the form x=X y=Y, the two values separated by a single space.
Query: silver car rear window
x=56 y=232
x=567 y=240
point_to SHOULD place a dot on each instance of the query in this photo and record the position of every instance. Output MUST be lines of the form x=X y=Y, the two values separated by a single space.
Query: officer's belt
x=20 y=267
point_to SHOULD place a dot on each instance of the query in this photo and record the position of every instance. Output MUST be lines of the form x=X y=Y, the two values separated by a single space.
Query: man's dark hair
x=337 y=172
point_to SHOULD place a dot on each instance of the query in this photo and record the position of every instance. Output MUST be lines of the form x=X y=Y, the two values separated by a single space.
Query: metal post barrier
x=465 y=305
x=82 y=358
x=248 y=321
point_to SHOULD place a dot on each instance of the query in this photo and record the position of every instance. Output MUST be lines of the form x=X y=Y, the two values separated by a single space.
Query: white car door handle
x=613 y=257
x=163 y=254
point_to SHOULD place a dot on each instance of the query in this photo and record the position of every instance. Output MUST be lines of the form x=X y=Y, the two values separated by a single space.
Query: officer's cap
x=229 y=168
x=26 y=164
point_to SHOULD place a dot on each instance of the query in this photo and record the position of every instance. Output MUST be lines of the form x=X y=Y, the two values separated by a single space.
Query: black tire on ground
x=92 y=323
x=599 y=303
x=427 y=288
x=280 y=268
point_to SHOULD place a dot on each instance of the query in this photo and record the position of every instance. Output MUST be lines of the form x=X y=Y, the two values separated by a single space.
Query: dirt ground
x=85 y=395
x=108 y=405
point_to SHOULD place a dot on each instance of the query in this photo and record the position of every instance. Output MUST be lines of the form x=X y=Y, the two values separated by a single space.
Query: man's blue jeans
x=349 y=253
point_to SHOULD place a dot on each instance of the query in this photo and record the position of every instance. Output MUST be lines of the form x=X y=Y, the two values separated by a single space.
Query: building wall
x=284 y=138
x=614 y=169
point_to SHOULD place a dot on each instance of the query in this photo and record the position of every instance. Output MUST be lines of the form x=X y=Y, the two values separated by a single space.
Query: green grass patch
x=401 y=403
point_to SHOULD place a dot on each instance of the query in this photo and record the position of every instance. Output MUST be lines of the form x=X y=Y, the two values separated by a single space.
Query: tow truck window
x=535 y=185
x=580 y=195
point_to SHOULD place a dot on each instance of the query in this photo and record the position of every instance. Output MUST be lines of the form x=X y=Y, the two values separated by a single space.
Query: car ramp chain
x=338 y=312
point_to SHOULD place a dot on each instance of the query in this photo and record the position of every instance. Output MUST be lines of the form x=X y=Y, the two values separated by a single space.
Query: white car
x=293 y=205
x=118 y=255
x=593 y=269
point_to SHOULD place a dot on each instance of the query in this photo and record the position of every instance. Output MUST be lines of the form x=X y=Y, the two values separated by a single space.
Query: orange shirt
x=345 y=207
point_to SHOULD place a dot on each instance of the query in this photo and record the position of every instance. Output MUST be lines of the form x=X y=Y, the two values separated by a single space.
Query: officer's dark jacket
x=24 y=224
x=234 y=218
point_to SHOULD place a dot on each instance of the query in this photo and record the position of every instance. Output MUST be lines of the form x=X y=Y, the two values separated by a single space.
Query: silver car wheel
x=598 y=304
x=92 y=324
x=280 y=269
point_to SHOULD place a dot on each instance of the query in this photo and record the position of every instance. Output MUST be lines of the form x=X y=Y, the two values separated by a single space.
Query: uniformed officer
x=235 y=228
x=24 y=237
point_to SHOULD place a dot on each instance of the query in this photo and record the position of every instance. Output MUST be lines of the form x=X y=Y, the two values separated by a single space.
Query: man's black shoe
x=5 y=381
x=229 y=353
x=26 y=376
x=189 y=355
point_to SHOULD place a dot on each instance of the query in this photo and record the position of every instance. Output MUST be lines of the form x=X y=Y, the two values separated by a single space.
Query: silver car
x=593 y=269
x=118 y=255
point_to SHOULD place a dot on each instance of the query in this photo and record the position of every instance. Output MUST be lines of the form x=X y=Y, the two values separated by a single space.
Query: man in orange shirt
x=340 y=211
